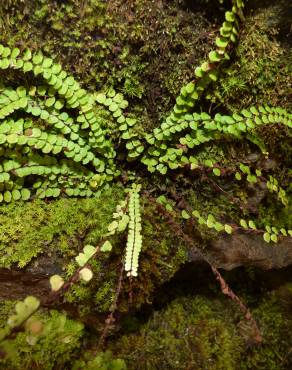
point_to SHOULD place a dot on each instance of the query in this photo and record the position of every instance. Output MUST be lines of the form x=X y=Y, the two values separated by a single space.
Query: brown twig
x=110 y=318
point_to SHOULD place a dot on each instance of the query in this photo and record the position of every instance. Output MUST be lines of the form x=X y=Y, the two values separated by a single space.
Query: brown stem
x=110 y=318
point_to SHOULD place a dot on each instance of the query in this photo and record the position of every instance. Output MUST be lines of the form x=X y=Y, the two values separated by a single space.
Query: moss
x=145 y=50
x=102 y=361
x=162 y=255
x=59 y=227
x=59 y=340
x=191 y=333
x=203 y=332
x=98 y=295
x=261 y=71
x=194 y=332
x=6 y=308
x=58 y=346
x=274 y=317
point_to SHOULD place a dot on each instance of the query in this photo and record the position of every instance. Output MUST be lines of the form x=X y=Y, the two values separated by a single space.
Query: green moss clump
x=59 y=340
x=274 y=317
x=102 y=361
x=205 y=333
x=162 y=255
x=6 y=308
x=191 y=333
x=45 y=236
x=261 y=71
x=57 y=227
x=59 y=345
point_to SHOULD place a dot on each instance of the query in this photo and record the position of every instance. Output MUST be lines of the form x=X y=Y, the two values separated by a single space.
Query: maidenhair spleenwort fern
x=134 y=242
x=58 y=139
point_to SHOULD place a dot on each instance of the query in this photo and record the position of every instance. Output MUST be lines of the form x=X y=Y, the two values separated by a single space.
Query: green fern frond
x=134 y=242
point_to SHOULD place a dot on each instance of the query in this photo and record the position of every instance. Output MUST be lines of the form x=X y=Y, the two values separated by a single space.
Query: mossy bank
x=147 y=50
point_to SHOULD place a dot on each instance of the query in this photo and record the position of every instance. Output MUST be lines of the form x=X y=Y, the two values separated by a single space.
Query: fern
x=66 y=142
x=270 y=233
x=134 y=242
x=195 y=129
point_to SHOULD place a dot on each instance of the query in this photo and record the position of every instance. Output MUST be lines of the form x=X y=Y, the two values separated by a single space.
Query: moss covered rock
x=202 y=332
x=45 y=237
x=144 y=49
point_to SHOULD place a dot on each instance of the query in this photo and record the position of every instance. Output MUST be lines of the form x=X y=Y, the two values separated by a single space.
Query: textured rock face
x=251 y=250
x=226 y=252
x=231 y=251
x=18 y=284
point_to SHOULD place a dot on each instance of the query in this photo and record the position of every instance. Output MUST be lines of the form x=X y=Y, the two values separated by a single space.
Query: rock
x=18 y=284
x=241 y=249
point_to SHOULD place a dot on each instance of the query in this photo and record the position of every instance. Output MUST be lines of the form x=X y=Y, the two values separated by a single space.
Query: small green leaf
x=251 y=179
x=185 y=215
x=284 y=232
x=86 y=274
x=238 y=176
x=106 y=247
x=267 y=237
x=27 y=66
x=199 y=72
x=274 y=238
x=15 y=52
x=214 y=56
x=243 y=224
x=229 y=16
x=56 y=282
x=221 y=42
x=196 y=213
x=123 y=223
x=81 y=259
x=32 y=303
x=89 y=251
x=228 y=229
x=25 y=194
x=218 y=226
x=216 y=171
x=7 y=196
x=190 y=87
x=113 y=226
x=252 y=225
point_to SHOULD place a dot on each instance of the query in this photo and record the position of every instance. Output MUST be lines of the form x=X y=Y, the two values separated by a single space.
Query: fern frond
x=134 y=242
